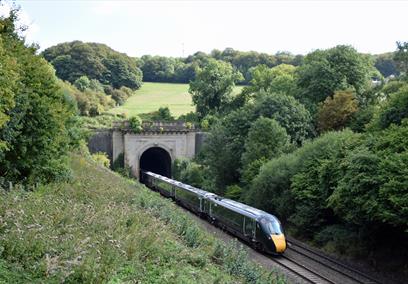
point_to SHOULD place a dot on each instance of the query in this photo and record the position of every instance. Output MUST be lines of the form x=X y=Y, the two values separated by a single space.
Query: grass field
x=151 y=96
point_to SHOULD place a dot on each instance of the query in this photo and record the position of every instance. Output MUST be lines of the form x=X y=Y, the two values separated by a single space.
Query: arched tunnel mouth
x=156 y=160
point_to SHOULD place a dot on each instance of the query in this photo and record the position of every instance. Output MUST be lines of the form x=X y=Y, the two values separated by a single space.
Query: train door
x=249 y=227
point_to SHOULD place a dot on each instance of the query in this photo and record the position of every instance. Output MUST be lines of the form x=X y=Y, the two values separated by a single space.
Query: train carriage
x=255 y=226
x=236 y=221
x=190 y=197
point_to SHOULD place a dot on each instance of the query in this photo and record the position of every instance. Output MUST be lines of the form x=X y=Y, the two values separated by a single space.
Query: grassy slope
x=102 y=228
x=151 y=96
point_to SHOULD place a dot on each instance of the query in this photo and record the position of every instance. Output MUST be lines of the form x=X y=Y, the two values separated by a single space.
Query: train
x=261 y=230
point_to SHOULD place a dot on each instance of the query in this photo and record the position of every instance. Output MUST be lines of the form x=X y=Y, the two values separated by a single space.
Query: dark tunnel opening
x=156 y=160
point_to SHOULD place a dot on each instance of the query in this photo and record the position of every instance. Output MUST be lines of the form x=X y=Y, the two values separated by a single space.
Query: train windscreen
x=272 y=226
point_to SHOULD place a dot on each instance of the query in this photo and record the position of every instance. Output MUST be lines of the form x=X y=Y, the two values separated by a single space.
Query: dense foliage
x=184 y=70
x=335 y=112
x=338 y=68
x=346 y=191
x=72 y=60
x=266 y=140
x=401 y=57
x=279 y=79
x=211 y=89
x=36 y=118
x=386 y=64
x=227 y=137
x=88 y=102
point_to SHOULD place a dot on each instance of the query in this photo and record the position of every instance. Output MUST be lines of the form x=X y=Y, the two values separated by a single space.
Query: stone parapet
x=158 y=127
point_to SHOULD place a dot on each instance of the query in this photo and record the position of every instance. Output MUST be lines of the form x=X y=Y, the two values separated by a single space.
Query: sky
x=180 y=28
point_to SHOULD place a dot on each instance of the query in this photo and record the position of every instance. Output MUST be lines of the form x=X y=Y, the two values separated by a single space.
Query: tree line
x=319 y=145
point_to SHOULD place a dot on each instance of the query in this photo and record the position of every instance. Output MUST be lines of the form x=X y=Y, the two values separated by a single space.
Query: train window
x=249 y=226
x=272 y=226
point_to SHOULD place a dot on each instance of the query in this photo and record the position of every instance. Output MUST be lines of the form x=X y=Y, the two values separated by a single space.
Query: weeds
x=102 y=228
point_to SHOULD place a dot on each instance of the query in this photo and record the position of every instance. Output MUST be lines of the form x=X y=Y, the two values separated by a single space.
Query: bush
x=135 y=124
x=88 y=102
x=162 y=114
x=189 y=117
x=101 y=159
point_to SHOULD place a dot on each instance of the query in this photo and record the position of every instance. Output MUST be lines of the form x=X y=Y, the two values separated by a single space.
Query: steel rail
x=314 y=274
x=336 y=262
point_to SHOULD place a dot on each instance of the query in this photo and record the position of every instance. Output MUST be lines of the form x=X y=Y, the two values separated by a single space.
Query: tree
x=287 y=111
x=266 y=140
x=401 y=56
x=327 y=71
x=392 y=111
x=279 y=79
x=335 y=112
x=8 y=77
x=211 y=90
x=386 y=64
x=223 y=148
x=295 y=186
x=40 y=118
x=96 y=61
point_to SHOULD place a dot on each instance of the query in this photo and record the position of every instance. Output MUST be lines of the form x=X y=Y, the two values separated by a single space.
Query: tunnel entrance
x=156 y=160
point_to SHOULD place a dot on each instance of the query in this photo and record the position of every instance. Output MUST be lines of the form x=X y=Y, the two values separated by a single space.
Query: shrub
x=101 y=159
x=135 y=124
x=162 y=114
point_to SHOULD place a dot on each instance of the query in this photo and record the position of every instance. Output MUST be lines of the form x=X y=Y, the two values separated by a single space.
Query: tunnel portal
x=156 y=160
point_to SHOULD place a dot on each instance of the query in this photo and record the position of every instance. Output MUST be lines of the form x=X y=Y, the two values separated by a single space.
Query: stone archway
x=157 y=160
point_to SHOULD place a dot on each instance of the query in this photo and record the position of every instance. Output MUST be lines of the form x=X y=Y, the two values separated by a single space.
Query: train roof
x=181 y=185
x=239 y=207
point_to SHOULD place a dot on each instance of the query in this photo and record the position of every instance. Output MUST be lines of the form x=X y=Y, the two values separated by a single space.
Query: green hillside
x=102 y=228
x=151 y=96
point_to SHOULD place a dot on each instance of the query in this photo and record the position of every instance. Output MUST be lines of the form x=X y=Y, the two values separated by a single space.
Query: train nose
x=280 y=242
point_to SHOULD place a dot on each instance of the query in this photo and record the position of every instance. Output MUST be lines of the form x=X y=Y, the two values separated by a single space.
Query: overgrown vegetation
x=276 y=150
x=37 y=121
x=273 y=145
x=101 y=228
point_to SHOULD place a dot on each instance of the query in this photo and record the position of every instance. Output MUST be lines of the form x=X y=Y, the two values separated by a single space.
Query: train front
x=274 y=238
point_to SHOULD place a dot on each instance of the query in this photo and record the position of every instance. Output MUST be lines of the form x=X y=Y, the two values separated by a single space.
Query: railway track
x=301 y=271
x=313 y=266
